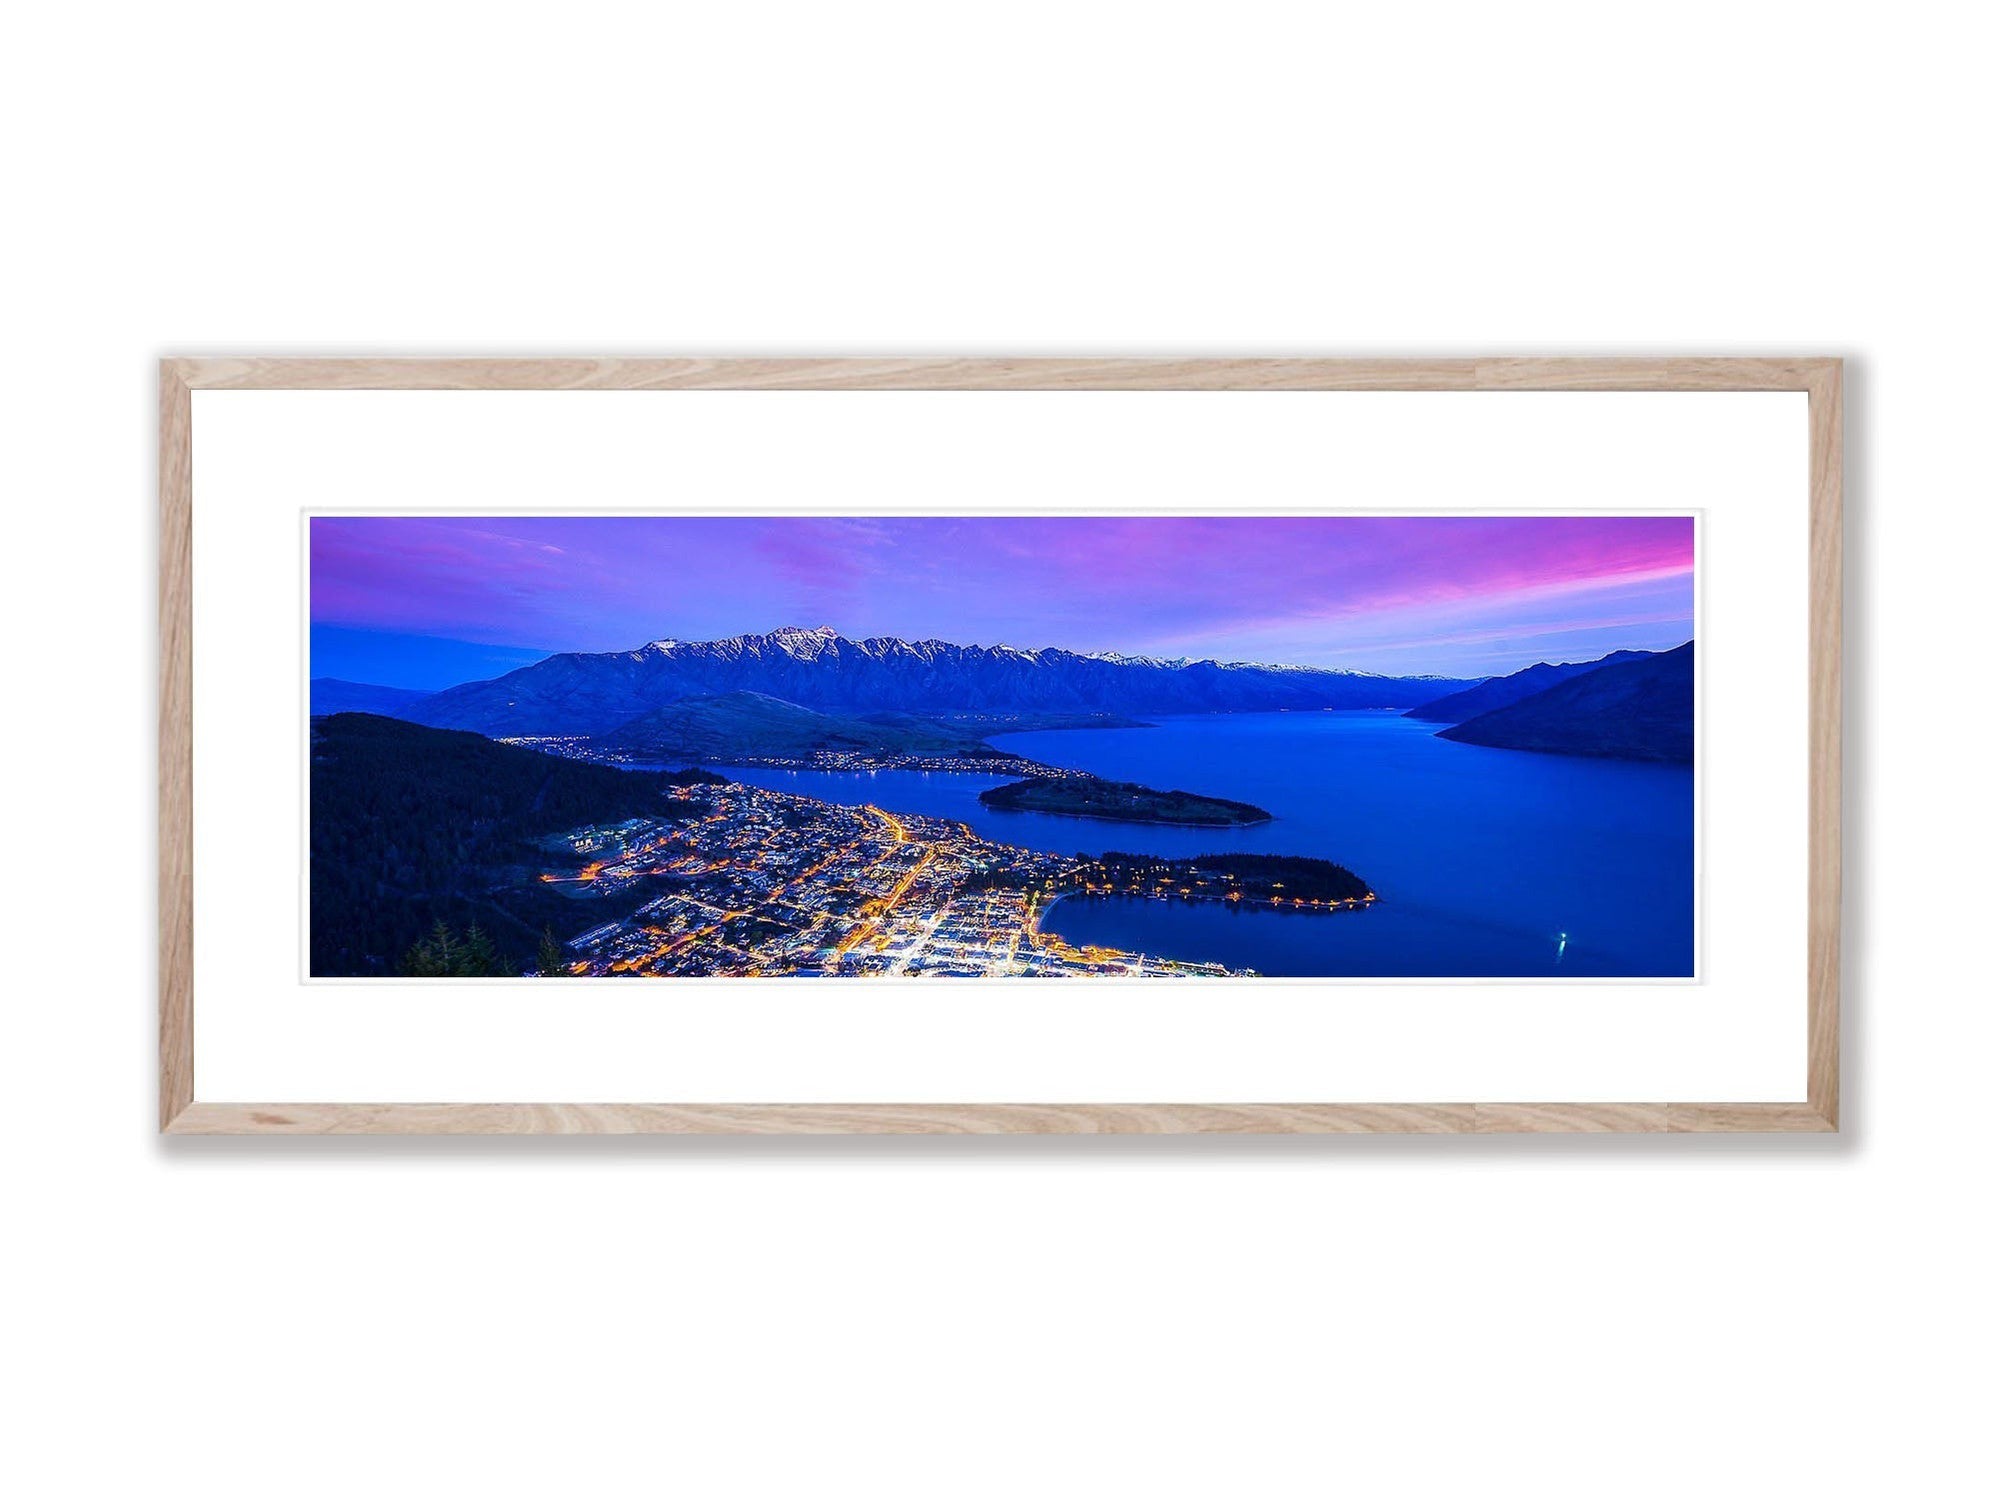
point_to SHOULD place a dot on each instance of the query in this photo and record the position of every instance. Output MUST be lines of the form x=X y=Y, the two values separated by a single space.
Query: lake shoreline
x=1485 y=858
x=1149 y=822
x=1275 y=905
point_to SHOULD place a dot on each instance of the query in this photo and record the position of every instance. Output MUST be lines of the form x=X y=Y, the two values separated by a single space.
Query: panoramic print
x=983 y=747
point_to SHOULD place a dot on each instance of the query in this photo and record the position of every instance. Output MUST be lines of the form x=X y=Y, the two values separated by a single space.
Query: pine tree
x=478 y=958
x=435 y=956
x=550 y=960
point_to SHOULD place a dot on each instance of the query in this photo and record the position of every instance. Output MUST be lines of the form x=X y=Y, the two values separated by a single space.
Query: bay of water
x=1489 y=863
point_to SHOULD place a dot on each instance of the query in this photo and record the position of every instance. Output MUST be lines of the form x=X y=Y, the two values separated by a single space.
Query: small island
x=1119 y=801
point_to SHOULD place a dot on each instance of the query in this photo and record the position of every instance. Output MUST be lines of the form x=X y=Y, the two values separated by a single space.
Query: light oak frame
x=182 y=1113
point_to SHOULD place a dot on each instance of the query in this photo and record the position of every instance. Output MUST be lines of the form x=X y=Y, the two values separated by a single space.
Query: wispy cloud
x=1449 y=594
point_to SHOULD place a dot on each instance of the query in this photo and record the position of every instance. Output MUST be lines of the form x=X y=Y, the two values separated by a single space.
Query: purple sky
x=1460 y=596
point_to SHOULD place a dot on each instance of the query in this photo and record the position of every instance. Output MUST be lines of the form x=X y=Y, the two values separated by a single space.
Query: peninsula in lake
x=1120 y=801
x=754 y=728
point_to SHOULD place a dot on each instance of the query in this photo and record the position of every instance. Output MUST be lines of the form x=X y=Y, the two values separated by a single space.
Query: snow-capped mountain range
x=593 y=693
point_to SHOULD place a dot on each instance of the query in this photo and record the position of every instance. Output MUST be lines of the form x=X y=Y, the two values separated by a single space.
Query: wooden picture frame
x=181 y=1111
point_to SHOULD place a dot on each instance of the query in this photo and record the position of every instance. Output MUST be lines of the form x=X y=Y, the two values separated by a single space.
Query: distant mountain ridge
x=594 y=693
x=1503 y=692
x=331 y=695
x=1630 y=710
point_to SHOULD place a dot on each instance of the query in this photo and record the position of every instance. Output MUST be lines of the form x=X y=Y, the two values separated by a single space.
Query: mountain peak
x=805 y=645
x=819 y=669
x=1119 y=658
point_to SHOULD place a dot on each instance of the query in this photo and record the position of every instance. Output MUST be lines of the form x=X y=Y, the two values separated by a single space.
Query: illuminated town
x=760 y=883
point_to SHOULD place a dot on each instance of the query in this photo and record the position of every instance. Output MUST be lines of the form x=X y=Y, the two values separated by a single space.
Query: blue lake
x=1485 y=859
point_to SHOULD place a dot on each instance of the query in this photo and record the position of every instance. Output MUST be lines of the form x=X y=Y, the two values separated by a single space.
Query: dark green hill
x=412 y=825
x=1635 y=710
x=1504 y=692
x=753 y=725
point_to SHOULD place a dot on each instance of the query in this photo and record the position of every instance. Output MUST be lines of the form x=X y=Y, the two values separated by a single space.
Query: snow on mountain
x=818 y=668
x=1120 y=659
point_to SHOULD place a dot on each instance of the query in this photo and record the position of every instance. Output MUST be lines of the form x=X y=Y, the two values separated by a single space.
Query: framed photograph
x=1060 y=746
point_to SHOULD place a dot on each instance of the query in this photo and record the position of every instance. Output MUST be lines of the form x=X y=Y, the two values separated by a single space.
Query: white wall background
x=993 y=1317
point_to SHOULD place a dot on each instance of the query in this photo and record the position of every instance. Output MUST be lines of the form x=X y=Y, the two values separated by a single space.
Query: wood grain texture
x=1652 y=374
x=1001 y=374
x=823 y=1119
x=176 y=769
x=1748 y=1118
x=1819 y=378
x=993 y=1118
x=1571 y=1118
x=829 y=374
x=1822 y=967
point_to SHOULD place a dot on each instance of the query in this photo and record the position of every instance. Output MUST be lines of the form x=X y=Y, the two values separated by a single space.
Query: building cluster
x=751 y=882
